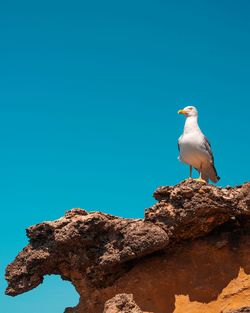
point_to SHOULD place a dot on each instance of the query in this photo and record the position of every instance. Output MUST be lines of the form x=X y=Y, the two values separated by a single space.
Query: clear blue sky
x=89 y=93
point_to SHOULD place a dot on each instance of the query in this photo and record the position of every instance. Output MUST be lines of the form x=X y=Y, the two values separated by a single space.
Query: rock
x=241 y=310
x=97 y=245
x=190 y=253
x=121 y=303
x=192 y=209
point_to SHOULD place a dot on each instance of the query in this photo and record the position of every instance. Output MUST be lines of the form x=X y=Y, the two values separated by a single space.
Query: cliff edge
x=189 y=254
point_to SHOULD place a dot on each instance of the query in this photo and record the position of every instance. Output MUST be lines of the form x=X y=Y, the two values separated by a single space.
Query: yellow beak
x=182 y=112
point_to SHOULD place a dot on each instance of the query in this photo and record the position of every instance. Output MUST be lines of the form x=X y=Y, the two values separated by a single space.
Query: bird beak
x=182 y=112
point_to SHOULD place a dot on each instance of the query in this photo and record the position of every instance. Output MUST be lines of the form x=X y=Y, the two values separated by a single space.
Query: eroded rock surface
x=241 y=310
x=189 y=254
x=122 y=303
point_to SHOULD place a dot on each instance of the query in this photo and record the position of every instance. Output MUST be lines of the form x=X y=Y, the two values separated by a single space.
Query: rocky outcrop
x=122 y=303
x=190 y=253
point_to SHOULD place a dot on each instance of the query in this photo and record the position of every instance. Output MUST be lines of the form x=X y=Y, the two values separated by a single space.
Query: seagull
x=195 y=149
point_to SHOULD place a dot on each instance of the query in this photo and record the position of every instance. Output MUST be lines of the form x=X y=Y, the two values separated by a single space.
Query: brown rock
x=121 y=303
x=192 y=209
x=95 y=245
x=189 y=254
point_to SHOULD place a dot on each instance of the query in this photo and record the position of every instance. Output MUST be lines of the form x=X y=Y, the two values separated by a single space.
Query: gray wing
x=211 y=171
x=207 y=147
x=178 y=143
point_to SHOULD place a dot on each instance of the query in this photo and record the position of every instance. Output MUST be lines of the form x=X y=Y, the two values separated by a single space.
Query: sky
x=89 y=93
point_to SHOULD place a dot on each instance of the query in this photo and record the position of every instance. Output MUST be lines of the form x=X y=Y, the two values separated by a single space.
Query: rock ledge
x=98 y=252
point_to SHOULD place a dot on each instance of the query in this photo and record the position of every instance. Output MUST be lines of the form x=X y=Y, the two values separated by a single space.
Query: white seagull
x=195 y=148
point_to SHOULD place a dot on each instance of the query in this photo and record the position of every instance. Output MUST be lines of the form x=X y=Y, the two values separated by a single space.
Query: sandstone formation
x=189 y=254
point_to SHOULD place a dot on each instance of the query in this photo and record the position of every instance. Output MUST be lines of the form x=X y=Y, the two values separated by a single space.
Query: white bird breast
x=191 y=151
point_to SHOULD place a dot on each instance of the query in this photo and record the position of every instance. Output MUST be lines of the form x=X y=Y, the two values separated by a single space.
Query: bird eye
x=190 y=108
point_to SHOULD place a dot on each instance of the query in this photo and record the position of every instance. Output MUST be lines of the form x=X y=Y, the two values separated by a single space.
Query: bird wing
x=178 y=142
x=207 y=146
x=211 y=170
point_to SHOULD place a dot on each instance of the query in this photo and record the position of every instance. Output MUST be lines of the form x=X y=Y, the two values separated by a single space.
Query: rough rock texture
x=189 y=254
x=241 y=310
x=122 y=303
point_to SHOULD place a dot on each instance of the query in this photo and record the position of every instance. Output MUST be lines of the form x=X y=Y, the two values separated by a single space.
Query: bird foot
x=188 y=179
x=200 y=180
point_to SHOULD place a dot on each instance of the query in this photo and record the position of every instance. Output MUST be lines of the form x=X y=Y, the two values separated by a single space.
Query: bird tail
x=211 y=173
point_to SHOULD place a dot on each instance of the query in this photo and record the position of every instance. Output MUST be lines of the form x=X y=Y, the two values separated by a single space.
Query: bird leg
x=190 y=171
x=200 y=179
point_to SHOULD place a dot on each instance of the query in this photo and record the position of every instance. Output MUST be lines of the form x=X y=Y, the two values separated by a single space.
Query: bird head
x=189 y=111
